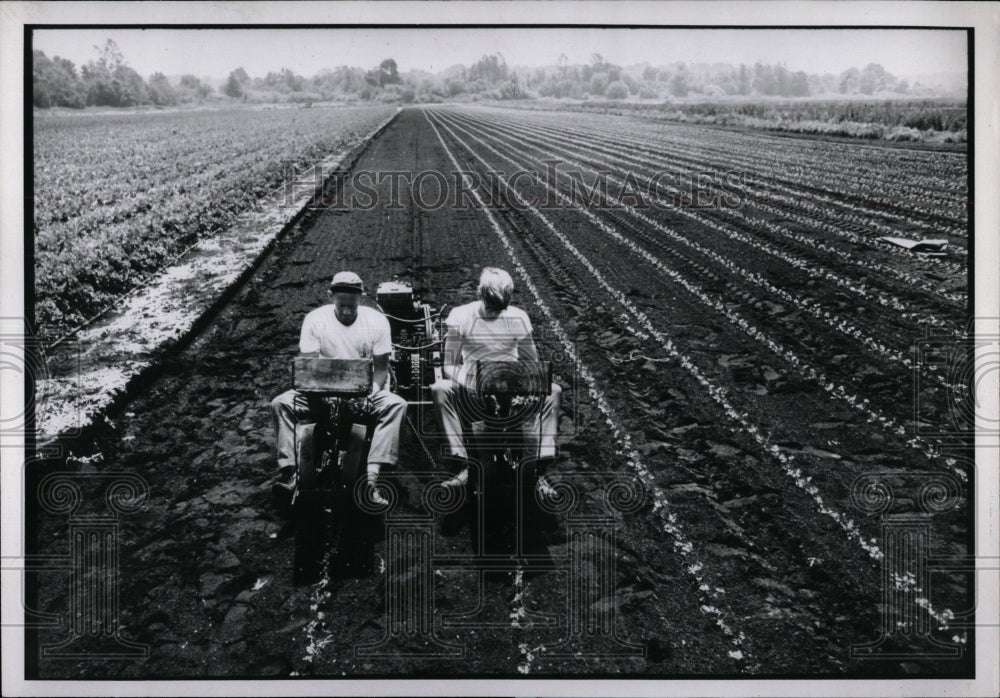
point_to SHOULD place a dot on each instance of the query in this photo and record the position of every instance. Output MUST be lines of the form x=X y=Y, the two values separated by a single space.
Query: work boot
x=457 y=481
x=546 y=493
x=376 y=498
x=460 y=465
x=283 y=489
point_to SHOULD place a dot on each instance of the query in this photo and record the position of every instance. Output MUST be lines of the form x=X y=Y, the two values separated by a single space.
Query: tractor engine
x=416 y=353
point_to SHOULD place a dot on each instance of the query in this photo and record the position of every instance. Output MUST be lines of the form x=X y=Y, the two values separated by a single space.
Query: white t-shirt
x=368 y=336
x=486 y=338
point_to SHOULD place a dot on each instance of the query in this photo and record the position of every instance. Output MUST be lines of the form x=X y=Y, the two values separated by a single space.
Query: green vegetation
x=109 y=81
x=117 y=196
x=938 y=120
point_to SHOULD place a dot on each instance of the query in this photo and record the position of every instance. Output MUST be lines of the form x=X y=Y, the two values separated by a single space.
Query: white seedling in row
x=716 y=392
x=644 y=156
x=681 y=543
x=811 y=307
x=861 y=182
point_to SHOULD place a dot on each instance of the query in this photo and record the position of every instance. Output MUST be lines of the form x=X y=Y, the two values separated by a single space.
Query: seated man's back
x=482 y=335
x=489 y=329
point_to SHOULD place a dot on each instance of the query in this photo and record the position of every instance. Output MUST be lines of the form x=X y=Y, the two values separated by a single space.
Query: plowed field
x=746 y=361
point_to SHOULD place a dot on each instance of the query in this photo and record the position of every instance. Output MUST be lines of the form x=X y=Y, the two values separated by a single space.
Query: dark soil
x=770 y=585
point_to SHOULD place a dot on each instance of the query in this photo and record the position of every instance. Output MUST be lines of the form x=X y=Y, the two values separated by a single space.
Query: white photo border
x=981 y=17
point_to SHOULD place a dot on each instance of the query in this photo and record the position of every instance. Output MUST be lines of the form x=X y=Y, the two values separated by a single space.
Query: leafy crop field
x=118 y=195
x=929 y=121
x=736 y=340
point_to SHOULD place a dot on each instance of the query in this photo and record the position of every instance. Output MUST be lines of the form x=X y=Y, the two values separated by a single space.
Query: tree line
x=108 y=80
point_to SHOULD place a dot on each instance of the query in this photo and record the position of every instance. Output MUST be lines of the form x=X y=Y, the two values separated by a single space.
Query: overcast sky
x=306 y=51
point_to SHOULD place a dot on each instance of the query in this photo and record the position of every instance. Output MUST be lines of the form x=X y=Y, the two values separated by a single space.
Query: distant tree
x=874 y=78
x=454 y=86
x=387 y=73
x=616 y=90
x=798 y=84
x=563 y=66
x=679 y=86
x=111 y=82
x=390 y=72
x=295 y=83
x=491 y=70
x=111 y=57
x=850 y=81
x=598 y=83
x=43 y=80
x=98 y=75
x=763 y=79
x=161 y=92
x=537 y=77
x=55 y=83
x=780 y=85
x=284 y=82
x=234 y=86
x=512 y=89
x=191 y=89
x=743 y=86
x=134 y=90
x=340 y=83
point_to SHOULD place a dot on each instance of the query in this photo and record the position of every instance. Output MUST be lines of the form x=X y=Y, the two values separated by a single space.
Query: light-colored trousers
x=292 y=407
x=539 y=439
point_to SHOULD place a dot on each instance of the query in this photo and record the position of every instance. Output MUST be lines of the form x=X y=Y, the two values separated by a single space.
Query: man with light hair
x=489 y=329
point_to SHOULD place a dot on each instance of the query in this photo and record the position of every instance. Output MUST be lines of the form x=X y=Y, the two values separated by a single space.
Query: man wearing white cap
x=344 y=329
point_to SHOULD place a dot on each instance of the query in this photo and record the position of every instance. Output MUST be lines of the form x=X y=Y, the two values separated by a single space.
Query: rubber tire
x=491 y=485
x=308 y=511
x=358 y=529
x=307 y=456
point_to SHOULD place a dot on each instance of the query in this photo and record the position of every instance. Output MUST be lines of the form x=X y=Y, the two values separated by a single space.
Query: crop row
x=716 y=391
x=810 y=306
x=661 y=505
x=832 y=168
x=638 y=324
x=810 y=372
x=742 y=225
x=869 y=339
x=846 y=164
x=760 y=184
x=116 y=197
